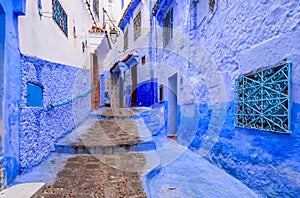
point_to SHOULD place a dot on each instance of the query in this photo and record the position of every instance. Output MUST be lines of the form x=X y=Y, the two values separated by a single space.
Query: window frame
x=262 y=99
x=168 y=21
x=96 y=8
x=60 y=16
x=126 y=39
x=137 y=26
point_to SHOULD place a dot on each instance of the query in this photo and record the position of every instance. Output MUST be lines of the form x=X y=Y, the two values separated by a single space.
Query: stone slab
x=26 y=190
x=107 y=137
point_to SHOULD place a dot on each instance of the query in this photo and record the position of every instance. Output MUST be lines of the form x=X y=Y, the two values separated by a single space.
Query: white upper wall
x=44 y=39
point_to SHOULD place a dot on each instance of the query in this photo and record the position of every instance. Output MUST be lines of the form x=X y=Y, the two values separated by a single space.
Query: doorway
x=172 y=106
x=95 y=78
x=121 y=90
x=134 y=86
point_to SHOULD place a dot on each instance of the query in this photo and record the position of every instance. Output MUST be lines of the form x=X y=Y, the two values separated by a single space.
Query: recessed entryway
x=172 y=106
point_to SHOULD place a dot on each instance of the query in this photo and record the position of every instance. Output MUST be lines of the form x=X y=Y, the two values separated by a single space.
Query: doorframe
x=95 y=81
x=134 y=80
x=172 y=106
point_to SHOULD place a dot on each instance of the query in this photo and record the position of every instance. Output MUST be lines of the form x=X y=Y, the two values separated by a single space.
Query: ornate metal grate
x=262 y=99
x=168 y=27
x=137 y=26
x=60 y=16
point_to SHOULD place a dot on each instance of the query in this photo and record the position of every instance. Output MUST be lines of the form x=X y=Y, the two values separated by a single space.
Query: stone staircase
x=108 y=131
x=110 y=154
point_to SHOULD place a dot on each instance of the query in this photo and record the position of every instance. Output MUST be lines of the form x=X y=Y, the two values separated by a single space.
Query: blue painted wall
x=41 y=127
x=10 y=86
x=147 y=93
x=239 y=37
x=2 y=41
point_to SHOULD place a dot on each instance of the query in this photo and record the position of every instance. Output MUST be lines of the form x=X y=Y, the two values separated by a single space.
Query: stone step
x=108 y=113
x=26 y=190
x=107 y=137
x=105 y=150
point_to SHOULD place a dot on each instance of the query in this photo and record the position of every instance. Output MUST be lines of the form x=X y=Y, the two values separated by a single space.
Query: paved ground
x=116 y=175
x=185 y=174
x=130 y=174
x=88 y=176
x=107 y=137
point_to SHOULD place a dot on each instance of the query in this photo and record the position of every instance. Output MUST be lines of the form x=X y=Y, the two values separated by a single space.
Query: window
x=126 y=39
x=212 y=5
x=60 y=16
x=96 y=7
x=34 y=95
x=168 y=27
x=262 y=99
x=143 y=60
x=137 y=26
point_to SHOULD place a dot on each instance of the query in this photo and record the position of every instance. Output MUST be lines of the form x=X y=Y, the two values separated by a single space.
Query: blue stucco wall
x=2 y=40
x=147 y=93
x=10 y=86
x=239 y=37
x=41 y=127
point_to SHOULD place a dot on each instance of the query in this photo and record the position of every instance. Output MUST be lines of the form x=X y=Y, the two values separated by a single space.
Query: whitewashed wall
x=44 y=39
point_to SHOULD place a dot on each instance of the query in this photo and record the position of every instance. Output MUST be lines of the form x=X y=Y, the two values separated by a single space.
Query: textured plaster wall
x=11 y=91
x=40 y=127
x=238 y=37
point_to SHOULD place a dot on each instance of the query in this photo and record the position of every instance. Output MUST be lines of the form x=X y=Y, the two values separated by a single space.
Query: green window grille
x=262 y=99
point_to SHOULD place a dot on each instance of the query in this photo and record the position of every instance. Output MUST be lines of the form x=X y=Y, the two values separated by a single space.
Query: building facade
x=231 y=72
x=10 y=91
x=226 y=74
x=47 y=76
x=130 y=82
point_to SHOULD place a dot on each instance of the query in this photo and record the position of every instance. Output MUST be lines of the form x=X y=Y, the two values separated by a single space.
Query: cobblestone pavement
x=109 y=176
x=92 y=176
x=107 y=133
x=107 y=137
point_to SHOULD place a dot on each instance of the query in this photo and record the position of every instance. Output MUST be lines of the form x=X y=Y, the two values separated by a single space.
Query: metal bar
x=51 y=106
x=262 y=99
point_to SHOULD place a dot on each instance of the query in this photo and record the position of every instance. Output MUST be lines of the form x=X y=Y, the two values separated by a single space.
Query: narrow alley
x=101 y=159
x=149 y=98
